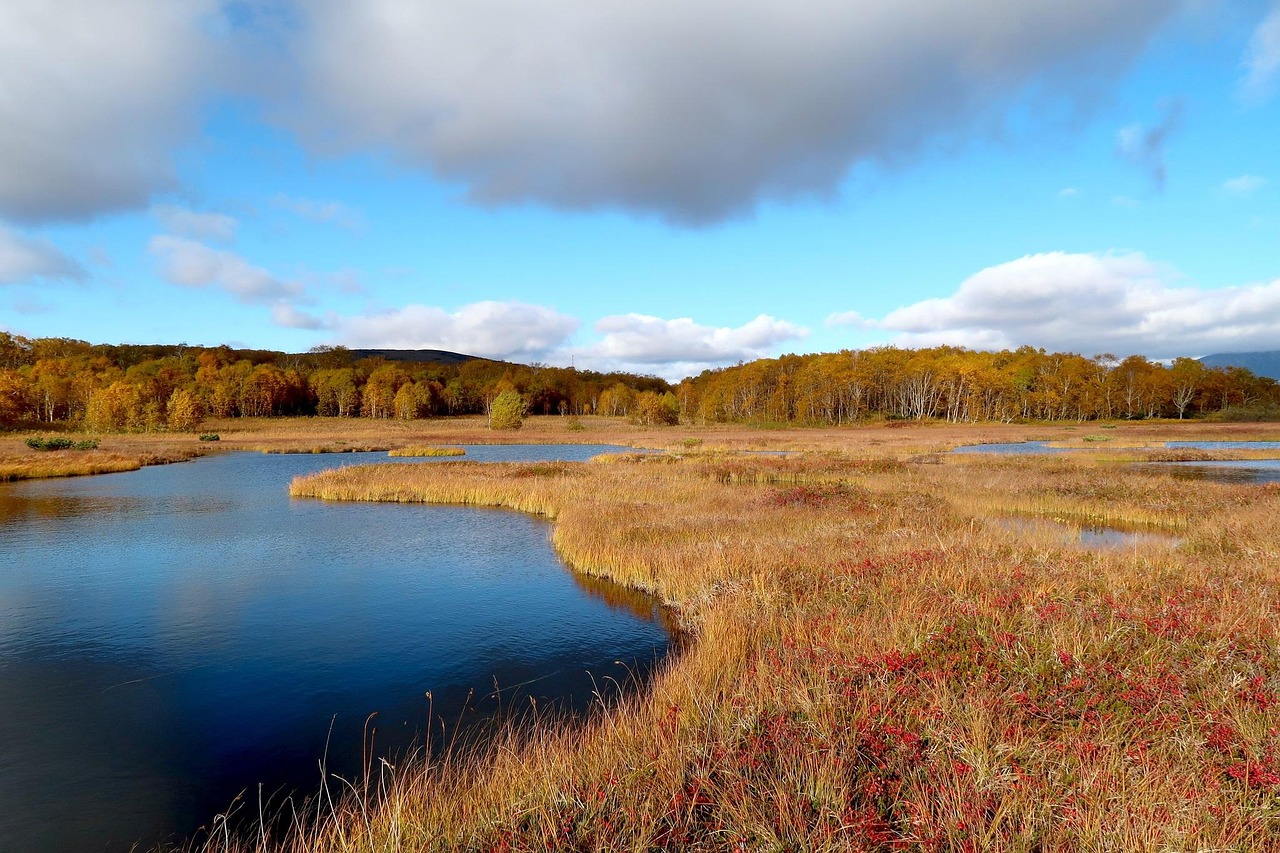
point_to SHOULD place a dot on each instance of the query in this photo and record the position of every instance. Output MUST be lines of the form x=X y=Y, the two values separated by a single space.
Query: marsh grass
x=873 y=665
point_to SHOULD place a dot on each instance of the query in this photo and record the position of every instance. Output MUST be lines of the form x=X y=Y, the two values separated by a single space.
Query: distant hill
x=433 y=356
x=1260 y=363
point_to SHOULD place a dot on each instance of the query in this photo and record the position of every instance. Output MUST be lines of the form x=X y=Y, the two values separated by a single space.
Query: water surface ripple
x=172 y=637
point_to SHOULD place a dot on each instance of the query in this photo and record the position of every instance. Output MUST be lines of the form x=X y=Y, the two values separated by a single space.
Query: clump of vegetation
x=61 y=443
x=210 y=436
x=428 y=451
x=507 y=411
x=574 y=424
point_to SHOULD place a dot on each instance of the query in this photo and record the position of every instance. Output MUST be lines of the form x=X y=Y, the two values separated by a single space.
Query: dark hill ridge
x=1259 y=363
x=432 y=356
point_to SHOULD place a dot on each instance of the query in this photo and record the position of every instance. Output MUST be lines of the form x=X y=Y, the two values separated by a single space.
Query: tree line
x=961 y=385
x=117 y=387
x=121 y=387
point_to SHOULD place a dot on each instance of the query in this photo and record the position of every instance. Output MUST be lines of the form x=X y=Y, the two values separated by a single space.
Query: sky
x=659 y=186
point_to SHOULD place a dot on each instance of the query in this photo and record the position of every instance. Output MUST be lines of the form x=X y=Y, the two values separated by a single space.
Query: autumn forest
x=134 y=387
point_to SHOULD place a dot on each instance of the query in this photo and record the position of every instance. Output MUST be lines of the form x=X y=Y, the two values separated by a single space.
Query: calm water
x=1094 y=538
x=1249 y=471
x=1254 y=471
x=172 y=637
x=1015 y=448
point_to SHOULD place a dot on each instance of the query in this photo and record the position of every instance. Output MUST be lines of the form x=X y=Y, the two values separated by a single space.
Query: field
x=876 y=659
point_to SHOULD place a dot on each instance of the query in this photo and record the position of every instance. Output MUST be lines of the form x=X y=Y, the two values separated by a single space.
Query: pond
x=1089 y=537
x=175 y=636
x=1248 y=471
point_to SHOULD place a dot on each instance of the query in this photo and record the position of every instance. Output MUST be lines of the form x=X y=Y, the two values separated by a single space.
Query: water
x=172 y=637
x=1245 y=471
x=1028 y=448
x=1092 y=537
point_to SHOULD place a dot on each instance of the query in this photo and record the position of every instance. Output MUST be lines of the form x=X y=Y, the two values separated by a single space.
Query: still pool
x=180 y=636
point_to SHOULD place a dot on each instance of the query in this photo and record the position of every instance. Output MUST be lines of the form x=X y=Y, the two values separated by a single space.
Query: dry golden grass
x=875 y=664
x=114 y=454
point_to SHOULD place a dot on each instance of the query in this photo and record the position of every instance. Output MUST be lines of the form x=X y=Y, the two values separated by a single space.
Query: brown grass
x=876 y=665
x=114 y=454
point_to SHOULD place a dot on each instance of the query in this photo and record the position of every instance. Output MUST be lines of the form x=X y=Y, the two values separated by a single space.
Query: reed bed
x=873 y=666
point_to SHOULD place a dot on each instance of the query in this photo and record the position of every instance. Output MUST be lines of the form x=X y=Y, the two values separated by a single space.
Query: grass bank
x=877 y=663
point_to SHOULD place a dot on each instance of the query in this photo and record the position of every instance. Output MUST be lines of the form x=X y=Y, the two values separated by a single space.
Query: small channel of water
x=1247 y=471
x=175 y=636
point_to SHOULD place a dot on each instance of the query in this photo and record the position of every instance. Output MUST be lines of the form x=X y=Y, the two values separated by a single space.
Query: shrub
x=59 y=443
x=210 y=436
x=506 y=411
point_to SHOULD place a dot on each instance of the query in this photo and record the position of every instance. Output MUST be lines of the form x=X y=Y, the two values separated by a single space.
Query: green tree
x=506 y=411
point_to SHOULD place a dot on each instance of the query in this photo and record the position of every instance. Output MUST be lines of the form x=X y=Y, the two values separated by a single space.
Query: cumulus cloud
x=25 y=259
x=693 y=111
x=1145 y=147
x=640 y=339
x=189 y=223
x=1262 y=59
x=325 y=212
x=1090 y=303
x=501 y=330
x=1245 y=184
x=95 y=98
x=191 y=264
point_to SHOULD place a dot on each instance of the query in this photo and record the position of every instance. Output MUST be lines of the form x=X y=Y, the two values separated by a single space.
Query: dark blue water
x=173 y=637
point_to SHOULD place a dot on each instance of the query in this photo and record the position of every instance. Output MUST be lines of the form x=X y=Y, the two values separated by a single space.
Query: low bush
x=61 y=443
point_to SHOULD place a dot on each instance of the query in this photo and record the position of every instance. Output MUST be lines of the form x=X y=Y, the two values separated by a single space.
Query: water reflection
x=1092 y=537
x=1240 y=471
x=172 y=637
x=1029 y=448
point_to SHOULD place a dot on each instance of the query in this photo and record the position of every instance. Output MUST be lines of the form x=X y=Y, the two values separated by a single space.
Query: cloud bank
x=693 y=111
x=1089 y=303
x=96 y=97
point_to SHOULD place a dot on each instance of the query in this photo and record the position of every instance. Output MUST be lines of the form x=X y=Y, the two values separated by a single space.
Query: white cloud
x=1262 y=59
x=189 y=223
x=1090 y=303
x=287 y=315
x=324 y=212
x=190 y=264
x=25 y=259
x=95 y=97
x=850 y=318
x=1245 y=184
x=501 y=330
x=693 y=110
x=680 y=347
x=1068 y=192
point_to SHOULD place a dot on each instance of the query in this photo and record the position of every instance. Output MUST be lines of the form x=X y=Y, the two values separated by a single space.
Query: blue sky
x=657 y=186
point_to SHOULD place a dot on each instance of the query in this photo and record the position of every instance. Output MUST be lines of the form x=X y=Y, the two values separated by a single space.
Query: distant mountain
x=1260 y=363
x=433 y=356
